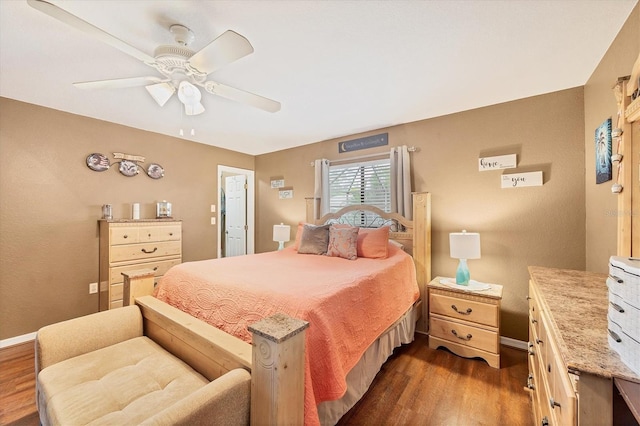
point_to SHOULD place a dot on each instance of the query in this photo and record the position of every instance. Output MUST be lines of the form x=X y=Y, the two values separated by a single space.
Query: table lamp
x=281 y=234
x=464 y=245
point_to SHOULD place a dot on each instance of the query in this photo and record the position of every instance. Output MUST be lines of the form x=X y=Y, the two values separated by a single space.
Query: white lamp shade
x=281 y=233
x=464 y=245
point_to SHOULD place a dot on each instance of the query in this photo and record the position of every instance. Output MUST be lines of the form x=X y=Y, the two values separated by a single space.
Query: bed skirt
x=362 y=374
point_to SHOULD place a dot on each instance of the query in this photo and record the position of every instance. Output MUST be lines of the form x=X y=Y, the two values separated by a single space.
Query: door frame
x=250 y=174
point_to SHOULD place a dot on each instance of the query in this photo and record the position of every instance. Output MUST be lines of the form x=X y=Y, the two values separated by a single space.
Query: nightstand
x=467 y=322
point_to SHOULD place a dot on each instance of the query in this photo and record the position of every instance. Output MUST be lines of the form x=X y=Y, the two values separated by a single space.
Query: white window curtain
x=321 y=189
x=401 y=181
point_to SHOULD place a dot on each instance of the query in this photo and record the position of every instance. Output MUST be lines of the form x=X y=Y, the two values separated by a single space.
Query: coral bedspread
x=348 y=304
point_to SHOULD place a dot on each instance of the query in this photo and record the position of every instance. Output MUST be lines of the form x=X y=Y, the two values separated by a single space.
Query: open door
x=235 y=190
x=231 y=207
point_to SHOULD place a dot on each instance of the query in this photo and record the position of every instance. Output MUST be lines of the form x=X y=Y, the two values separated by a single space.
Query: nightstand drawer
x=463 y=334
x=461 y=308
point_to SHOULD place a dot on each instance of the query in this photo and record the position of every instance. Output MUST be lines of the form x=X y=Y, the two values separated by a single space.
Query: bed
x=356 y=318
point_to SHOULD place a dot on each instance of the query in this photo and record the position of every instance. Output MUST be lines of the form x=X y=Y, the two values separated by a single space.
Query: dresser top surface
x=578 y=304
x=493 y=292
x=134 y=221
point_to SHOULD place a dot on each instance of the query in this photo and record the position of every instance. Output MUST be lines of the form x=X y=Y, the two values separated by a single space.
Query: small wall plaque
x=364 y=143
x=284 y=193
x=277 y=183
x=517 y=180
x=496 y=163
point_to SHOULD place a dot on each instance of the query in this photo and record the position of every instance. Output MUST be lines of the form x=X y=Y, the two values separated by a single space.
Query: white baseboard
x=518 y=344
x=17 y=340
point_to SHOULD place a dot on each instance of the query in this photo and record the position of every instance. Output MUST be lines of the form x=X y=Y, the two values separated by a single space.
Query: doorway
x=236 y=212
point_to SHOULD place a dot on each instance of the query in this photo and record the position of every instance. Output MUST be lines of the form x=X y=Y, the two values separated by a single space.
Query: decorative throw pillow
x=373 y=242
x=315 y=239
x=298 y=235
x=343 y=242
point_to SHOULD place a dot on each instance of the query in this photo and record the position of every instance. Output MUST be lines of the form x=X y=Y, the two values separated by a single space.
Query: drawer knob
x=171 y=234
x=553 y=403
x=149 y=252
x=528 y=297
x=545 y=421
x=538 y=341
x=149 y=235
x=126 y=236
x=534 y=321
x=616 y=279
x=617 y=307
x=467 y=338
x=531 y=351
x=614 y=336
x=155 y=269
x=467 y=312
x=530 y=384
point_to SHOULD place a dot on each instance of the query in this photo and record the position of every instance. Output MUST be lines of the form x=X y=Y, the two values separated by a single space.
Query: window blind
x=366 y=182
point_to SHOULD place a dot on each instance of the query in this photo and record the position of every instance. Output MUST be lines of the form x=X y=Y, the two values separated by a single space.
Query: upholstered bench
x=101 y=369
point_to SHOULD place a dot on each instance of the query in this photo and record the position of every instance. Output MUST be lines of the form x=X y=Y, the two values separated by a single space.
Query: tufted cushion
x=125 y=383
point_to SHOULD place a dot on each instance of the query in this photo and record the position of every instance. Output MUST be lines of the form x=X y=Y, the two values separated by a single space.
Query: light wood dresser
x=571 y=366
x=127 y=245
x=465 y=322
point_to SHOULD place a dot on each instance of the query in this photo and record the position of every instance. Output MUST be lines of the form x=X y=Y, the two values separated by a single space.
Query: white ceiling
x=337 y=67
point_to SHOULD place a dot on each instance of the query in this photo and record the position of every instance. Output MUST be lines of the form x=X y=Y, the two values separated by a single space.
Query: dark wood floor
x=416 y=386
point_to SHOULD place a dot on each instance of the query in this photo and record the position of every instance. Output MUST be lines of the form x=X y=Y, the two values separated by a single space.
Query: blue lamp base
x=280 y=245
x=462 y=273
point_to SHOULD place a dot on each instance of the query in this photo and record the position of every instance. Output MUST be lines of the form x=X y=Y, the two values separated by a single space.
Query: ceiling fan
x=182 y=69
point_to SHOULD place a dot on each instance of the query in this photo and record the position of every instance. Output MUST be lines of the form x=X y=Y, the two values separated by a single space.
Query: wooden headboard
x=414 y=234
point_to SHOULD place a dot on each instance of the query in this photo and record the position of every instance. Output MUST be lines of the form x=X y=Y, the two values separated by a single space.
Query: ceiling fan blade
x=118 y=83
x=242 y=96
x=72 y=20
x=161 y=92
x=226 y=48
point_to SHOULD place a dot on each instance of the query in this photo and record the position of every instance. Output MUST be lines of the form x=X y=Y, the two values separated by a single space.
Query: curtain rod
x=364 y=157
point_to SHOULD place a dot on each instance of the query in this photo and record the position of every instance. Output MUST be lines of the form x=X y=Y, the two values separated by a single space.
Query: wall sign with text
x=517 y=180
x=364 y=143
x=497 y=163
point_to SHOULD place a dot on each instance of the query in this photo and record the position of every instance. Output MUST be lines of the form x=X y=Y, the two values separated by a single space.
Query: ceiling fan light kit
x=182 y=68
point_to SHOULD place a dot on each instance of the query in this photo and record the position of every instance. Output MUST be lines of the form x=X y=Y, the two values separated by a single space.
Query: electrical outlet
x=93 y=288
x=213 y=220
x=213 y=208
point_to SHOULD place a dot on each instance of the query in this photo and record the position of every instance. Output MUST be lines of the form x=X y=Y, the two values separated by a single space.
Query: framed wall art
x=603 y=152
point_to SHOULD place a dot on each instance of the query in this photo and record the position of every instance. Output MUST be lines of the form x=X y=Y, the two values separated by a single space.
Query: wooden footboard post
x=136 y=283
x=277 y=373
x=422 y=249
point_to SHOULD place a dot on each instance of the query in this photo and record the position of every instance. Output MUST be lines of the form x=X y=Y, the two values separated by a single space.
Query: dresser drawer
x=123 y=235
x=160 y=267
x=159 y=233
x=144 y=234
x=464 y=309
x=135 y=252
x=464 y=334
x=561 y=398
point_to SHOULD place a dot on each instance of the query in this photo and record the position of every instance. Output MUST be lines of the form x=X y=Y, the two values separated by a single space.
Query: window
x=360 y=183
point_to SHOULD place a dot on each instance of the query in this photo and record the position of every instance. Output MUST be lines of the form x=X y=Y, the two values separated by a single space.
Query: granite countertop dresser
x=573 y=371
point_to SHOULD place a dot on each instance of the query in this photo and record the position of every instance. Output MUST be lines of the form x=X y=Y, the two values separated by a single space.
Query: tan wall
x=519 y=227
x=599 y=104
x=50 y=203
